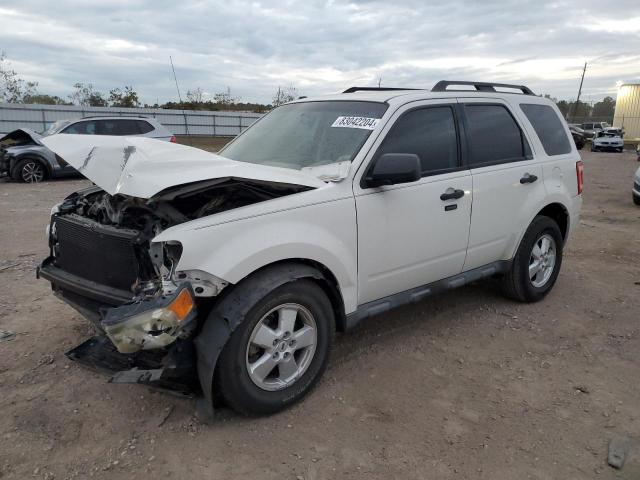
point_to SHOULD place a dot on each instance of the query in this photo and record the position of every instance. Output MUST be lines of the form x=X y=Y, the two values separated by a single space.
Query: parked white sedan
x=607 y=141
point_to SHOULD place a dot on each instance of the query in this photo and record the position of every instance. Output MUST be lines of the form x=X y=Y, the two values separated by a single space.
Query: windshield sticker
x=365 y=123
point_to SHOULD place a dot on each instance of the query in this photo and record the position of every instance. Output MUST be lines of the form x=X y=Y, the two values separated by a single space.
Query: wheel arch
x=557 y=211
x=292 y=269
x=559 y=214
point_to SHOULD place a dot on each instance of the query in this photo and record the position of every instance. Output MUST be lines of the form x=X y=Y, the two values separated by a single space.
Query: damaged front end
x=104 y=263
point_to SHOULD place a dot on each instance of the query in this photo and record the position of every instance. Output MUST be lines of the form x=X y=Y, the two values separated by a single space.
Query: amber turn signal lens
x=182 y=305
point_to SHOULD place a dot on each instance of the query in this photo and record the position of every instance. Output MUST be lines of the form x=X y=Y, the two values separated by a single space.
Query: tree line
x=14 y=89
x=575 y=111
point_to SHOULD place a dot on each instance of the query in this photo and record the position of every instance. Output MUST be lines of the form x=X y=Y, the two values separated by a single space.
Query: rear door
x=507 y=180
x=407 y=234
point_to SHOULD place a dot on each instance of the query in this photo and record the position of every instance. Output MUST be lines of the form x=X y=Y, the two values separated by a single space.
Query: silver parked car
x=26 y=159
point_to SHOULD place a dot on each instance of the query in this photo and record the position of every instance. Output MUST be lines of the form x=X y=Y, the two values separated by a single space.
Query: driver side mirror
x=394 y=168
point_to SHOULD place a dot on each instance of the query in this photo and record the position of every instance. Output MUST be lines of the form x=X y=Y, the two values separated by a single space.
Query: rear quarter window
x=144 y=127
x=548 y=127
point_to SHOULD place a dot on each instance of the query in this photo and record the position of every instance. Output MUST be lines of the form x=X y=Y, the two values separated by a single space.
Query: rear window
x=548 y=127
x=118 y=127
x=494 y=136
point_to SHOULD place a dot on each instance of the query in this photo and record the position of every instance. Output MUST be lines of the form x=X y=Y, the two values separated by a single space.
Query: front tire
x=537 y=263
x=29 y=170
x=636 y=199
x=279 y=351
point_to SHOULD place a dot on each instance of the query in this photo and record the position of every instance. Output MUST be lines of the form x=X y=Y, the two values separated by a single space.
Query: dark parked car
x=591 y=128
x=578 y=136
x=26 y=159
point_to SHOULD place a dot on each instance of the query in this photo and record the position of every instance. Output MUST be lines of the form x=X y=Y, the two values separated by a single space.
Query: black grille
x=96 y=252
x=636 y=186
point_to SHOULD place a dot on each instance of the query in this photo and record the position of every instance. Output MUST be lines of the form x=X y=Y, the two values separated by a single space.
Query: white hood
x=142 y=167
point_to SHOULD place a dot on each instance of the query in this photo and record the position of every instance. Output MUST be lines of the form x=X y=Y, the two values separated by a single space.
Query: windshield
x=55 y=127
x=307 y=134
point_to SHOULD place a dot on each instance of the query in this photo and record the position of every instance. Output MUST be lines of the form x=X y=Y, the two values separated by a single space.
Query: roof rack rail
x=376 y=89
x=442 y=85
x=118 y=115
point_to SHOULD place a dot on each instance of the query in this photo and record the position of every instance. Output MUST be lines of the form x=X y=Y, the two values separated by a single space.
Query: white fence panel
x=179 y=122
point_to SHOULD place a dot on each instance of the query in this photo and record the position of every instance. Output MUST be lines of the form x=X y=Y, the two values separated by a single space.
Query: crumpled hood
x=142 y=167
x=20 y=135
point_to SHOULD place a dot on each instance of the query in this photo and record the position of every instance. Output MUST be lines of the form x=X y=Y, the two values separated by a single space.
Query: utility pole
x=186 y=123
x=379 y=81
x=579 y=90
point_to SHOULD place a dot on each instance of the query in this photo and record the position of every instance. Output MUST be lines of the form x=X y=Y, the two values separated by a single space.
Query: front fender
x=324 y=233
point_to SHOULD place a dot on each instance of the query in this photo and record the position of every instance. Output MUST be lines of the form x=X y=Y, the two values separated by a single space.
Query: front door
x=414 y=233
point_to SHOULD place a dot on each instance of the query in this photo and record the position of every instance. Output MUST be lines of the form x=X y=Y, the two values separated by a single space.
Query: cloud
x=320 y=46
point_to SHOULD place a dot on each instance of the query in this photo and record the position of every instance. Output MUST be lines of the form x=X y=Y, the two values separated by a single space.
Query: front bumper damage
x=145 y=340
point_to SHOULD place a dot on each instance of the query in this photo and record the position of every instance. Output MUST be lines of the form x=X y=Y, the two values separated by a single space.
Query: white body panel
x=407 y=239
x=317 y=225
x=502 y=209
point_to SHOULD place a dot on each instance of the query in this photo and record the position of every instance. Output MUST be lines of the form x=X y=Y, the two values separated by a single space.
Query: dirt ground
x=464 y=385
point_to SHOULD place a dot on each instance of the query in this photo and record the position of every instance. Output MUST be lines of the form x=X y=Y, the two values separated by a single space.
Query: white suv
x=241 y=266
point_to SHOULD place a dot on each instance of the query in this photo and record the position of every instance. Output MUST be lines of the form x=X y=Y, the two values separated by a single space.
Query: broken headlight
x=153 y=322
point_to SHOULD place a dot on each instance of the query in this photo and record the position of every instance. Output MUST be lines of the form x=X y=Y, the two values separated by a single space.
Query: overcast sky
x=320 y=47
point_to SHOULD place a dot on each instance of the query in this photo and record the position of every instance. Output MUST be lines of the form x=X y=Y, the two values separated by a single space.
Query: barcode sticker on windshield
x=365 y=123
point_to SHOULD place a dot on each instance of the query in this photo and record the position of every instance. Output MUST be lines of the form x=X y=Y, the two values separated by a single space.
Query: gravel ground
x=464 y=385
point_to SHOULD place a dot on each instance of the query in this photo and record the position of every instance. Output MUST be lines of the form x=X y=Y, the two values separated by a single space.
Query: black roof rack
x=442 y=85
x=118 y=115
x=376 y=89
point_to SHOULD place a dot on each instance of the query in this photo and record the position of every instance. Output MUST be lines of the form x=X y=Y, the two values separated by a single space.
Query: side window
x=118 y=127
x=144 y=127
x=548 y=127
x=430 y=133
x=494 y=136
x=81 y=128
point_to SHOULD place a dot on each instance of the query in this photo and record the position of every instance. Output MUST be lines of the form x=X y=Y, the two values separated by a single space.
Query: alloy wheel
x=542 y=260
x=32 y=172
x=281 y=347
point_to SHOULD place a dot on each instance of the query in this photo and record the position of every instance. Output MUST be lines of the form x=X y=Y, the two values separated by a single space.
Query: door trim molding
x=417 y=294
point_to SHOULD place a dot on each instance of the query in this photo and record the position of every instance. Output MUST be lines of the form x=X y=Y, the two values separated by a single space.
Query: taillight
x=580 y=175
x=173 y=139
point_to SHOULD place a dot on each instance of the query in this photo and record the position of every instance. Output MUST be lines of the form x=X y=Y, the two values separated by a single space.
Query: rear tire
x=29 y=170
x=262 y=342
x=535 y=267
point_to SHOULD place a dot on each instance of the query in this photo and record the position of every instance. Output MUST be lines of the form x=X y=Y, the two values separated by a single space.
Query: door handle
x=528 y=178
x=451 y=194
